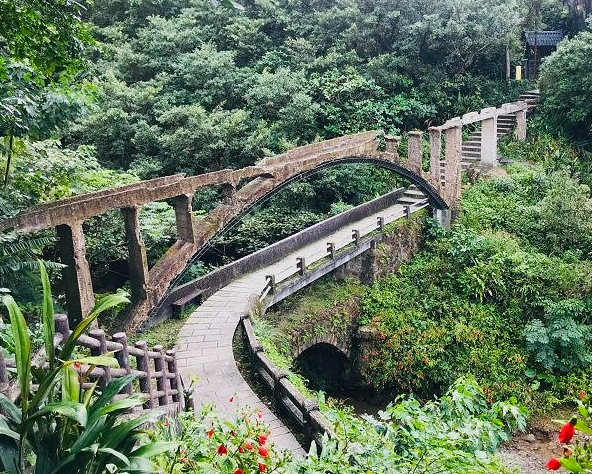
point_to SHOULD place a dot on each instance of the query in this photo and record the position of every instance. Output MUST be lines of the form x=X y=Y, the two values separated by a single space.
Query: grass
x=166 y=333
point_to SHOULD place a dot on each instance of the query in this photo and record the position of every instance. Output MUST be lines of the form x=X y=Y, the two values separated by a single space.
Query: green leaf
x=10 y=409
x=22 y=348
x=70 y=384
x=530 y=373
x=570 y=464
x=582 y=426
x=72 y=410
x=123 y=404
x=114 y=387
x=47 y=315
x=103 y=304
x=105 y=360
x=153 y=449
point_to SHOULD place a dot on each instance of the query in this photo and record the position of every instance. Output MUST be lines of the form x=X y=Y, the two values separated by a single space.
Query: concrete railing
x=287 y=398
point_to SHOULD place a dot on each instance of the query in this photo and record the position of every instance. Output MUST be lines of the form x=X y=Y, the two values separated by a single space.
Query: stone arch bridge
x=243 y=189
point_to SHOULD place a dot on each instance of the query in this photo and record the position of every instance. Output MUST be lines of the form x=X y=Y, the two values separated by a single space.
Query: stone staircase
x=411 y=196
x=471 y=147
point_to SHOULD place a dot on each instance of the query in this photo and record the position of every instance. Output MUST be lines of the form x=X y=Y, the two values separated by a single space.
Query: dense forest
x=99 y=94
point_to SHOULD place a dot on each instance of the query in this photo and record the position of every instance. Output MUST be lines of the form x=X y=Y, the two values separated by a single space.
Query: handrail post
x=380 y=223
x=162 y=380
x=99 y=335
x=331 y=250
x=145 y=382
x=356 y=236
x=271 y=283
x=122 y=357
x=301 y=265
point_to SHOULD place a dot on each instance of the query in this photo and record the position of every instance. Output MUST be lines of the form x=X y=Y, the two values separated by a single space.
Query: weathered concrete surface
x=205 y=341
x=266 y=176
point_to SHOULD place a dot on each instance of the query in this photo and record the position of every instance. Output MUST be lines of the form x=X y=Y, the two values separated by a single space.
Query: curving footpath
x=205 y=341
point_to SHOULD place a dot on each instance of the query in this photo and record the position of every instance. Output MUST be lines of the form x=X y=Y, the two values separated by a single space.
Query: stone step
x=471 y=148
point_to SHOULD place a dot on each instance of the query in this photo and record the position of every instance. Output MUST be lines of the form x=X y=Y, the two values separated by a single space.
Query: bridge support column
x=444 y=217
x=489 y=137
x=184 y=217
x=452 y=153
x=392 y=146
x=435 y=152
x=414 y=154
x=521 y=125
x=77 y=281
x=137 y=260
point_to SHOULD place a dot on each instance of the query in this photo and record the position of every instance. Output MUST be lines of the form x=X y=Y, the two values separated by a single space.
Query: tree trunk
x=508 y=66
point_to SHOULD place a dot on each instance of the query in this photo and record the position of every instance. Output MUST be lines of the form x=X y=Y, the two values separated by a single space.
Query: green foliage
x=59 y=427
x=563 y=340
x=241 y=85
x=565 y=84
x=457 y=433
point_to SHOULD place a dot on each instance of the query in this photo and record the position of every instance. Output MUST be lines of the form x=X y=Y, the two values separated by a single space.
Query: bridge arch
x=240 y=203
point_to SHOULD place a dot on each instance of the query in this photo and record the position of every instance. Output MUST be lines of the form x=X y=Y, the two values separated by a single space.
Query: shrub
x=61 y=427
x=565 y=82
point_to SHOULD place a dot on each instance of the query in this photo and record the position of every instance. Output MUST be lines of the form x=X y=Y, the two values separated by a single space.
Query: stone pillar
x=521 y=125
x=444 y=217
x=392 y=146
x=77 y=281
x=137 y=261
x=489 y=137
x=414 y=154
x=184 y=217
x=228 y=194
x=435 y=152
x=452 y=155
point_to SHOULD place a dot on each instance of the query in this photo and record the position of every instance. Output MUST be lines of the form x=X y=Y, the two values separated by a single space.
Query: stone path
x=205 y=341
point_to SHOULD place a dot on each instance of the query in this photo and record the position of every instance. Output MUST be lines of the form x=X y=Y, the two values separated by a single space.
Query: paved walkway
x=205 y=341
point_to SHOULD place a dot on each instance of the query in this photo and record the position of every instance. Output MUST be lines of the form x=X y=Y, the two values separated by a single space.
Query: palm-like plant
x=66 y=428
x=17 y=254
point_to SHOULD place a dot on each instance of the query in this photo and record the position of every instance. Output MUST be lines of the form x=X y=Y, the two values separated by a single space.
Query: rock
x=529 y=437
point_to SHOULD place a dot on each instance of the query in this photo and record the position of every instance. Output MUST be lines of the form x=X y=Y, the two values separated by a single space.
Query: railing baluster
x=162 y=381
x=144 y=366
x=122 y=357
x=99 y=335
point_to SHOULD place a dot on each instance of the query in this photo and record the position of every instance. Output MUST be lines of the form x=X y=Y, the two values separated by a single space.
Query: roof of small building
x=543 y=38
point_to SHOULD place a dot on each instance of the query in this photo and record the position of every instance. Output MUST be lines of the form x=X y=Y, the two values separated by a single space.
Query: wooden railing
x=157 y=375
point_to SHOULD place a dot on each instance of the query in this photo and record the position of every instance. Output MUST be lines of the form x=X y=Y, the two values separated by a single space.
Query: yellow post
x=518 y=73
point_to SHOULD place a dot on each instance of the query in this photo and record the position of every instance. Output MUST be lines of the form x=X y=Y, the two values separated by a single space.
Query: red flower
x=77 y=365
x=222 y=450
x=166 y=424
x=240 y=449
x=259 y=415
x=261 y=467
x=567 y=432
x=263 y=452
x=582 y=394
x=231 y=399
x=183 y=460
x=238 y=471
x=249 y=446
x=262 y=439
x=553 y=464
x=210 y=433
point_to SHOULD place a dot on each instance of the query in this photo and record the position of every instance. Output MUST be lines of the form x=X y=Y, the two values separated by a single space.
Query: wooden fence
x=157 y=375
